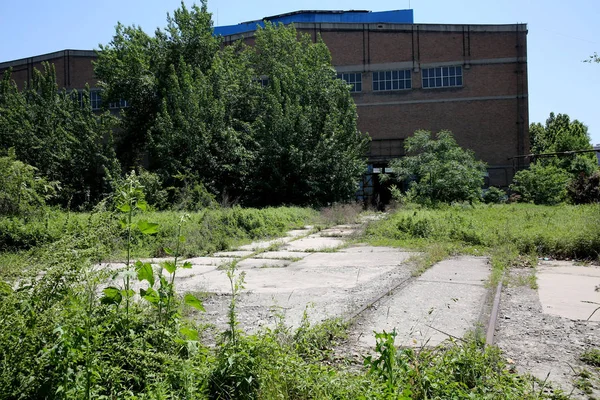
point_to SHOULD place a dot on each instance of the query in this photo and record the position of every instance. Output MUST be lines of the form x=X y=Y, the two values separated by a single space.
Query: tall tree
x=560 y=134
x=310 y=151
x=205 y=112
x=139 y=68
x=58 y=133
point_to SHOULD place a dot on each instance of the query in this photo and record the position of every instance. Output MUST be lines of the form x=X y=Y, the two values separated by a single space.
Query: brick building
x=470 y=79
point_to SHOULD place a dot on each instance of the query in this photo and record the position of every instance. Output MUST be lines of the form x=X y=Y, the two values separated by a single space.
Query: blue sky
x=561 y=35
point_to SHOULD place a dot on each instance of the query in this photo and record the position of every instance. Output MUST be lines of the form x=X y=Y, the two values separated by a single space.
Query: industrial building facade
x=469 y=79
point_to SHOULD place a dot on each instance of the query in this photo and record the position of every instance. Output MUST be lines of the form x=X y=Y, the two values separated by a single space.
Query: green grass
x=61 y=340
x=206 y=231
x=511 y=235
x=563 y=231
x=591 y=357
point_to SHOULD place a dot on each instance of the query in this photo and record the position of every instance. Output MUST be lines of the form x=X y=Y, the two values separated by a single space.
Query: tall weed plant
x=562 y=231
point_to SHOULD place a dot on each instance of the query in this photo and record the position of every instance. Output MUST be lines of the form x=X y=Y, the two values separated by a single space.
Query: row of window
x=439 y=77
x=96 y=101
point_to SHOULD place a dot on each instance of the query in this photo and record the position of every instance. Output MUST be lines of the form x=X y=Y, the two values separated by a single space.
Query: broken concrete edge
x=491 y=326
x=372 y=302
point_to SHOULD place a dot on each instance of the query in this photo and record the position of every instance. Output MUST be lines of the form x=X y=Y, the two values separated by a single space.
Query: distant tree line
x=259 y=125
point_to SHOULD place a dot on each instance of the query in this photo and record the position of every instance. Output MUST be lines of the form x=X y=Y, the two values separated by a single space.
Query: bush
x=152 y=186
x=493 y=195
x=585 y=189
x=23 y=191
x=439 y=170
x=564 y=231
x=541 y=184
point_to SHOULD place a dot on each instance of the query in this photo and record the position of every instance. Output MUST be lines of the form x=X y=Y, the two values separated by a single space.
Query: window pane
x=425 y=83
x=459 y=81
x=438 y=82
x=451 y=71
x=425 y=73
x=388 y=85
x=395 y=74
x=401 y=84
x=395 y=85
x=445 y=82
x=375 y=86
x=452 y=81
x=432 y=82
x=408 y=84
x=358 y=87
x=388 y=75
x=438 y=72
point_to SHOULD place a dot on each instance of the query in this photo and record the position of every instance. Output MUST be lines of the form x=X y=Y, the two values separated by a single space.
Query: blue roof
x=317 y=17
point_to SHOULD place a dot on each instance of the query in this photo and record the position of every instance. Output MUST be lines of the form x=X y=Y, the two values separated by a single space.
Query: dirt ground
x=544 y=345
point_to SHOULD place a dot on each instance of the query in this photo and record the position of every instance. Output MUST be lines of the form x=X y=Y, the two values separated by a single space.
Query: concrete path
x=318 y=274
x=448 y=299
x=569 y=291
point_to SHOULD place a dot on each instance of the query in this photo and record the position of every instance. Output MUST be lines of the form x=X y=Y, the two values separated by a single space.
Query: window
x=354 y=79
x=392 y=80
x=95 y=99
x=118 y=104
x=263 y=80
x=442 y=77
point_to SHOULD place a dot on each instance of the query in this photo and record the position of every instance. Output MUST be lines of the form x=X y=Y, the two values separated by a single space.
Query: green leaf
x=112 y=295
x=187 y=265
x=190 y=334
x=147 y=228
x=127 y=293
x=150 y=295
x=123 y=223
x=193 y=301
x=145 y=273
x=182 y=239
x=124 y=208
x=169 y=266
x=142 y=205
x=168 y=251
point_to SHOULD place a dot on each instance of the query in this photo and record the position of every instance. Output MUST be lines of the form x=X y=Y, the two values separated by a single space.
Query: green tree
x=560 y=134
x=310 y=151
x=139 y=68
x=541 y=184
x=439 y=170
x=65 y=140
x=203 y=113
x=23 y=191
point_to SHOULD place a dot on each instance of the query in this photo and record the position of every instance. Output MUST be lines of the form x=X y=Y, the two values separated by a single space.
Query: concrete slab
x=312 y=244
x=352 y=260
x=210 y=260
x=372 y=250
x=250 y=263
x=569 y=291
x=297 y=232
x=235 y=254
x=283 y=255
x=449 y=297
x=265 y=244
x=338 y=231
x=330 y=284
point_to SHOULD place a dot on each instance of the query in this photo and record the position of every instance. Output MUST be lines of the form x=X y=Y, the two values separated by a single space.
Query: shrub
x=541 y=184
x=23 y=191
x=493 y=195
x=152 y=186
x=585 y=188
x=439 y=170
